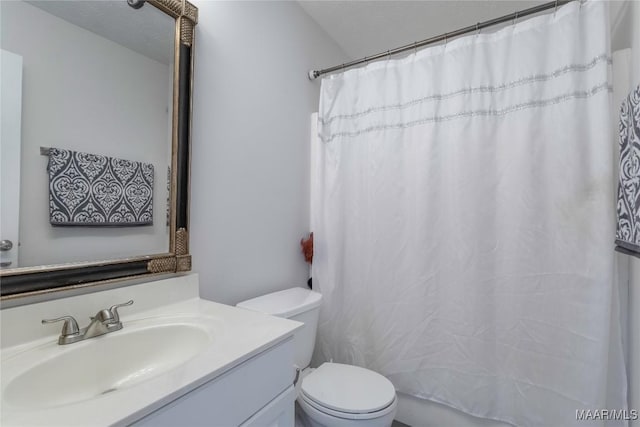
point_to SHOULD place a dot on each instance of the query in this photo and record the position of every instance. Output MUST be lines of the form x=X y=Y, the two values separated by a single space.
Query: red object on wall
x=307 y=248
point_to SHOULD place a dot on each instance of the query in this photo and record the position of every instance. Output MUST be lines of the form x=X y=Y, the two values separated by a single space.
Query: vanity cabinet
x=179 y=361
x=257 y=392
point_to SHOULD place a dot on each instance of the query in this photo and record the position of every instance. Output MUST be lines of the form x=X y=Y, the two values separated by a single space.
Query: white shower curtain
x=464 y=221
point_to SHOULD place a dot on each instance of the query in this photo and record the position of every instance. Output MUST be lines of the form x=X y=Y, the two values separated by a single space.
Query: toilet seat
x=347 y=415
x=347 y=391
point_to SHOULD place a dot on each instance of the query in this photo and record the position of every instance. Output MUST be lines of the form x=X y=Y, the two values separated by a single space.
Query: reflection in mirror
x=11 y=87
x=94 y=77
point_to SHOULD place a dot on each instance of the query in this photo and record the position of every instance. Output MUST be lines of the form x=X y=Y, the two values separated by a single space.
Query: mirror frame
x=28 y=281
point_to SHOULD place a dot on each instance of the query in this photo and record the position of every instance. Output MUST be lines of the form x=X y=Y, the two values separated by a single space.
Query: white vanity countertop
x=237 y=336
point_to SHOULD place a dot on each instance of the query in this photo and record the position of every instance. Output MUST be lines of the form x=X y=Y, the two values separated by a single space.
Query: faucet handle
x=104 y=316
x=70 y=326
x=114 y=310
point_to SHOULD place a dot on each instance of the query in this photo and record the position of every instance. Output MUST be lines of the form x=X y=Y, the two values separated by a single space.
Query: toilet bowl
x=334 y=394
x=337 y=395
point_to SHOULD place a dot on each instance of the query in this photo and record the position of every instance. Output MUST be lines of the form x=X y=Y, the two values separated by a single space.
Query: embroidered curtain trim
x=536 y=78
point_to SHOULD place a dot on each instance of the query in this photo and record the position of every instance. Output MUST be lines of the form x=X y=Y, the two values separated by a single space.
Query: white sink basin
x=142 y=350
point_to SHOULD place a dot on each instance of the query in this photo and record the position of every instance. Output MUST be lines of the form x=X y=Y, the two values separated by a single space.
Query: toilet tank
x=298 y=304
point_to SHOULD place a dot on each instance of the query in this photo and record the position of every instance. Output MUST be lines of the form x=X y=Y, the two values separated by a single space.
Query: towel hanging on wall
x=93 y=190
x=628 y=206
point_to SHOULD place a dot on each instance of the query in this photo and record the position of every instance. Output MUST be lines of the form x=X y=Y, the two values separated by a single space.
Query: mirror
x=96 y=100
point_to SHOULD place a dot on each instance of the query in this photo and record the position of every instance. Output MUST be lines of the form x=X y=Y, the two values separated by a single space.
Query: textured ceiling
x=146 y=31
x=363 y=28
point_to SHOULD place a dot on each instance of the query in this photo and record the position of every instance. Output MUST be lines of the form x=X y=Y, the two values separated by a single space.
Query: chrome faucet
x=105 y=321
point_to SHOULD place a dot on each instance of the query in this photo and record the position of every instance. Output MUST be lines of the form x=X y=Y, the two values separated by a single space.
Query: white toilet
x=333 y=395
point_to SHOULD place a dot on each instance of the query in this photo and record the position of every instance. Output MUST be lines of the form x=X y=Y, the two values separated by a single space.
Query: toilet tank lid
x=285 y=303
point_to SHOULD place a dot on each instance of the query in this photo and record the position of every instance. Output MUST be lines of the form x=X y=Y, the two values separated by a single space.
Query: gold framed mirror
x=93 y=267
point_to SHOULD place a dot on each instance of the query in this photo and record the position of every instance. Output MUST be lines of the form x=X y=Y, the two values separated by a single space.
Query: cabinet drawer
x=280 y=412
x=233 y=397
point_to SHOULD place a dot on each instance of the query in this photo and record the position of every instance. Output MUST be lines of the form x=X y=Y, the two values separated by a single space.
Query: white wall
x=250 y=164
x=84 y=92
x=635 y=39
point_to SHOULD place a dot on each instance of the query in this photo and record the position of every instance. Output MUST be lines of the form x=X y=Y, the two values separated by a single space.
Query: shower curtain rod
x=314 y=74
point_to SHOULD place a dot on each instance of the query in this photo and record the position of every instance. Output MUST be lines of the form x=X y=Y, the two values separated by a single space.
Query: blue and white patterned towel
x=91 y=190
x=628 y=229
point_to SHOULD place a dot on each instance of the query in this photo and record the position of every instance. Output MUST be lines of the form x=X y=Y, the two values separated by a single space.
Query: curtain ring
x=388 y=55
x=515 y=19
x=446 y=36
x=556 y=9
x=415 y=48
x=477 y=28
